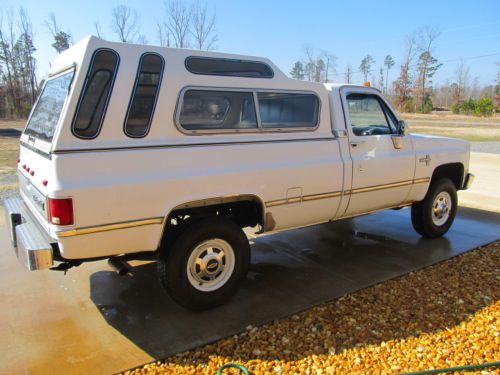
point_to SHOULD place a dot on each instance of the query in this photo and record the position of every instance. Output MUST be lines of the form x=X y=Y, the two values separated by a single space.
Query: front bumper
x=31 y=242
x=469 y=179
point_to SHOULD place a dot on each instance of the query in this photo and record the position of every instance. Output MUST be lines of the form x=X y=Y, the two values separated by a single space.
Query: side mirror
x=402 y=127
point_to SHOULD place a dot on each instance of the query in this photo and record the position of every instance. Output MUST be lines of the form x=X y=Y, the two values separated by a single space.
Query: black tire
x=173 y=264
x=422 y=212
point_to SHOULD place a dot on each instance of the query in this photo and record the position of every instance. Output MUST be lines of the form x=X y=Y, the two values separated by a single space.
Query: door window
x=367 y=116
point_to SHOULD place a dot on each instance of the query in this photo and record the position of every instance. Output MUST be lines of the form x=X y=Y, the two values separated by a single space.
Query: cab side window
x=367 y=115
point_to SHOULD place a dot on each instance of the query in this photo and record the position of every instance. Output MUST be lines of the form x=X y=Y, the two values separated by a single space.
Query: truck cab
x=143 y=152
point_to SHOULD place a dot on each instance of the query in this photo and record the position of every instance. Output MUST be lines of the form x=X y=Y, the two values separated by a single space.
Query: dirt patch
x=17 y=124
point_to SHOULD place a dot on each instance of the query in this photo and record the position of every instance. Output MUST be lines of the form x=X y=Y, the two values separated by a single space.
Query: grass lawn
x=470 y=134
x=471 y=128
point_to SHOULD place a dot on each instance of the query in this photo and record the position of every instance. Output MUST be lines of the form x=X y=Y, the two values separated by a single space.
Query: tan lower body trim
x=312 y=197
x=304 y=198
x=108 y=227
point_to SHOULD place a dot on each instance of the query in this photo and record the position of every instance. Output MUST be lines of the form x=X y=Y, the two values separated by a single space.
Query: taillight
x=61 y=211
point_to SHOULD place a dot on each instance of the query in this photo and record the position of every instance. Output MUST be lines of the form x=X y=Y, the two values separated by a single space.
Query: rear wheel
x=434 y=216
x=205 y=265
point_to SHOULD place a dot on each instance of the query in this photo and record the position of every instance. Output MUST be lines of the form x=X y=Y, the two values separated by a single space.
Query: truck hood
x=427 y=140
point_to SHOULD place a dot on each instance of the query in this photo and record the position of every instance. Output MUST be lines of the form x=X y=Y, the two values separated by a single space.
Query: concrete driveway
x=93 y=321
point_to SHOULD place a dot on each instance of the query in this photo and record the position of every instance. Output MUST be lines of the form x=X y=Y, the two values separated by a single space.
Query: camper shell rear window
x=228 y=67
x=45 y=115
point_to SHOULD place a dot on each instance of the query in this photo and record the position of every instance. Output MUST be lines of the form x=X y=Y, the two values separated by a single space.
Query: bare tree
x=7 y=59
x=475 y=90
x=203 y=27
x=178 y=22
x=348 y=73
x=402 y=86
x=141 y=39
x=426 y=39
x=330 y=64
x=28 y=50
x=124 y=23
x=462 y=76
x=98 y=29
x=163 y=34
x=19 y=64
x=317 y=68
x=309 y=63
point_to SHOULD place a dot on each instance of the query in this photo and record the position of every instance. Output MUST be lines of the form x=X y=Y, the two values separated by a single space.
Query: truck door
x=383 y=161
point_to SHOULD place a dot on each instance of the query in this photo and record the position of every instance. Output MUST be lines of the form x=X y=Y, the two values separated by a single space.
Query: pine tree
x=388 y=63
x=298 y=71
x=365 y=66
x=427 y=67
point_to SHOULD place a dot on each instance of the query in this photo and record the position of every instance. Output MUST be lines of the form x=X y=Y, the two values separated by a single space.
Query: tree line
x=192 y=24
x=183 y=24
x=413 y=89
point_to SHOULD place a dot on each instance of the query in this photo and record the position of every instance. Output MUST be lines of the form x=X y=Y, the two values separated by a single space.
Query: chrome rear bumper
x=469 y=179
x=31 y=242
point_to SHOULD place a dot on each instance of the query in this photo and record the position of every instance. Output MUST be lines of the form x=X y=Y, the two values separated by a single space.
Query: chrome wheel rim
x=441 y=208
x=210 y=265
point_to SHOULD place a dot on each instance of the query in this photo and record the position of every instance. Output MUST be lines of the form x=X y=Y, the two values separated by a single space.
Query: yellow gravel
x=445 y=315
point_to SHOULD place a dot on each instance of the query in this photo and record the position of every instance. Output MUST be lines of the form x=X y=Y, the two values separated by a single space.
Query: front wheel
x=205 y=265
x=434 y=216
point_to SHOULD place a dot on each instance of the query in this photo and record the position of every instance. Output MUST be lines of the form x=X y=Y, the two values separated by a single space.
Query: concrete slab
x=483 y=193
x=93 y=321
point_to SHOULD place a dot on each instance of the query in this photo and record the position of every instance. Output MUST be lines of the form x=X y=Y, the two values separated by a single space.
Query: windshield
x=43 y=121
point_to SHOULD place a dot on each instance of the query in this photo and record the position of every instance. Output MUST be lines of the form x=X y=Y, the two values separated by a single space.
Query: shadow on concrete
x=290 y=272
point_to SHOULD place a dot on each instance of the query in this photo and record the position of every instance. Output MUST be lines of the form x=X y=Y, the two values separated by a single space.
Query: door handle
x=356 y=143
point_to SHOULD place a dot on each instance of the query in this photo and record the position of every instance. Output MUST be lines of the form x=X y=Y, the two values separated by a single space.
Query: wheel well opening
x=453 y=171
x=244 y=212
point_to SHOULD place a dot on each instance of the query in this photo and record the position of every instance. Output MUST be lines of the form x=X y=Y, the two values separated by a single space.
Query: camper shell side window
x=144 y=95
x=228 y=67
x=222 y=110
x=94 y=98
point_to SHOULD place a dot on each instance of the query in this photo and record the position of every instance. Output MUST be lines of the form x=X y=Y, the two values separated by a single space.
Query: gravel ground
x=442 y=316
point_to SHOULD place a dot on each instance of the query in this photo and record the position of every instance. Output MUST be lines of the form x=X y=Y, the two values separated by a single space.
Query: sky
x=279 y=29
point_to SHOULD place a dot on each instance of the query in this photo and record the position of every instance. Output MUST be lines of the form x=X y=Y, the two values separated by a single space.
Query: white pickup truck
x=143 y=152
